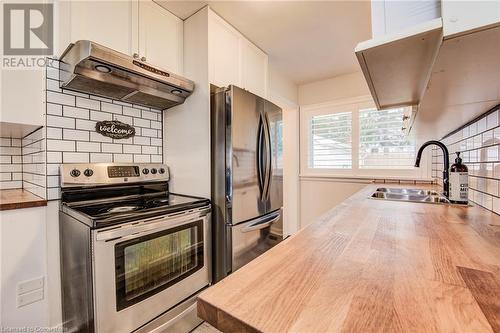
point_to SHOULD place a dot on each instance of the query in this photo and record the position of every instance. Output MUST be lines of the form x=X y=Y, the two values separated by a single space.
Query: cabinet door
x=160 y=37
x=224 y=52
x=22 y=96
x=461 y=16
x=254 y=69
x=110 y=23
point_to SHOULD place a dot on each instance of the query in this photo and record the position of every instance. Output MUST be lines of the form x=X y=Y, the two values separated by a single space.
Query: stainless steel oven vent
x=94 y=69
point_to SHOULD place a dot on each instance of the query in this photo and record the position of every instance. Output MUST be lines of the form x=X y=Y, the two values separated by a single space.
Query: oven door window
x=149 y=264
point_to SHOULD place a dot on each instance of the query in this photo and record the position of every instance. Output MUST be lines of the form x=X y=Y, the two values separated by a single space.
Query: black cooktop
x=109 y=212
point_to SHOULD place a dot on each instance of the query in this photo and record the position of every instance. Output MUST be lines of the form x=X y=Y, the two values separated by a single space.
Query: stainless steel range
x=133 y=255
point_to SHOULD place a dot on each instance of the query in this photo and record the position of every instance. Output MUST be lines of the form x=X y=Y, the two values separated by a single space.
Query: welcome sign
x=115 y=129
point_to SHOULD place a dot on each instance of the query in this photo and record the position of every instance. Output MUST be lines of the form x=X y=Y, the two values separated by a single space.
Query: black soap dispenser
x=459 y=182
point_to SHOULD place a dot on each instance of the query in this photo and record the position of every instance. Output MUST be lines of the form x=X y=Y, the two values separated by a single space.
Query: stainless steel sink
x=409 y=195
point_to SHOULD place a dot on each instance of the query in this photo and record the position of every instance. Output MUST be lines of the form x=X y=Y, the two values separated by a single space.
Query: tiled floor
x=205 y=328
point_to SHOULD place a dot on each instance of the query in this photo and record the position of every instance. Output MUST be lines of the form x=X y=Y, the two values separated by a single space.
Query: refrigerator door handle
x=268 y=174
x=261 y=223
x=260 y=157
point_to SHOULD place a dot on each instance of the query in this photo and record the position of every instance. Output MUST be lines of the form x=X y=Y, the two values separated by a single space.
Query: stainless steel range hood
x=94 y=69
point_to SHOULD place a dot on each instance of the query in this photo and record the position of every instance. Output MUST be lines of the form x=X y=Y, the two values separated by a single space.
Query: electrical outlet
x=29 y=298
x=27 y=286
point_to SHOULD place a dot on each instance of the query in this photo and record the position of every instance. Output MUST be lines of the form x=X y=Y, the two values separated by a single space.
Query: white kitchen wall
x=71 y=135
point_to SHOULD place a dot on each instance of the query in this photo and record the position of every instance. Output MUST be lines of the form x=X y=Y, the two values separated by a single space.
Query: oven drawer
x=142 y=274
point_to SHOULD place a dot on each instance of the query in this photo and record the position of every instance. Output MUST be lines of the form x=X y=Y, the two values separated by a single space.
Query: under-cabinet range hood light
x=94 y=69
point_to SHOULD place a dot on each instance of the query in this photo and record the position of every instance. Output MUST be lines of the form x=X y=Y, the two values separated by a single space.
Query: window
x=352 y=138
x=331 y=141
x=382 y=144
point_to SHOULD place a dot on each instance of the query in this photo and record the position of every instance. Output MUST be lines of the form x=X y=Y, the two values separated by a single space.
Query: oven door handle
x=138 y=230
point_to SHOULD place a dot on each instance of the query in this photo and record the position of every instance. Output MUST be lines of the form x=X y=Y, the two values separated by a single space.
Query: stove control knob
x=161 y=171
x=153 y=171
x=88 y=172
x=75 y=173
x=145 y=171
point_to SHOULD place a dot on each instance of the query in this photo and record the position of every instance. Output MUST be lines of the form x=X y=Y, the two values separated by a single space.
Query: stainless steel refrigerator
x=247 y=177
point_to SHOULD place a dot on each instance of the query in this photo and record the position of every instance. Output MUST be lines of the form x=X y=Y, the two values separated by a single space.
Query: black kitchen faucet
x=446 y=163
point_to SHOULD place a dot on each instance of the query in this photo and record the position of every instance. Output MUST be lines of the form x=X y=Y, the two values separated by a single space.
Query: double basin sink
x=410 y=195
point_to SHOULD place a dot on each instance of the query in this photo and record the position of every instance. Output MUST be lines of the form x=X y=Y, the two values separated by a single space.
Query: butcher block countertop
x=18 y=198
x=370 y=266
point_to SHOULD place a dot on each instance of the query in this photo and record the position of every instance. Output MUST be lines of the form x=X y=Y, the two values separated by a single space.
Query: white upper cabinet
x=254 y=69
x=233 y=59
x=224 y=52
x=110 y=23
x=464 y=16
x=160 y=37
x=23 y=96
x=141 y=28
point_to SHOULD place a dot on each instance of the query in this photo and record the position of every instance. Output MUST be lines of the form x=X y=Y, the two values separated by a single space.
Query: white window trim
x=345 y=105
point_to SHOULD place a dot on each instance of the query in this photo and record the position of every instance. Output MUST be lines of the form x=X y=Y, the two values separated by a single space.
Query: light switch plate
x=27 y=286
x=29 y=298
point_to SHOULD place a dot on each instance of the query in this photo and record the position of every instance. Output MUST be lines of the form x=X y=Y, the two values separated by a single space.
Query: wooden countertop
x=370 y=266
x=18 y=198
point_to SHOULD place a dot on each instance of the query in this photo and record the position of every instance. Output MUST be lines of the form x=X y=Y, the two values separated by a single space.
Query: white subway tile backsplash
x=139 y=140
x=128 y=111
x=94 y=136
x=60 y=98
x=11 y=168
x=54 y=157
x=79 y=135
x=88 y=125
x=123 y=158
x=156 y=124
x=55 y=121
x=75 y=157
x=87 y=103
x=73 y=112
x=53 y=193
x=54 y=133
x=113 y=108
x=70 y=137
x=5 y=159
x=100 y=116
x=132 y=149
x=149 y=132
x=52 y=181
x=7 y=185
x=111 y=148
x=88 y=146
x=142 y=122
x=150 y=115
x=156 y=142
x=60 y=145
x=142 y=158
x=123 y=119
x=99 y=157
x=100 y=98
x=479 y=144
x=149 y=150
x=10 y=151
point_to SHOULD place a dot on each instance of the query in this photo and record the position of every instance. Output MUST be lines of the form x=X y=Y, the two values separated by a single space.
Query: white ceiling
x=306 y=40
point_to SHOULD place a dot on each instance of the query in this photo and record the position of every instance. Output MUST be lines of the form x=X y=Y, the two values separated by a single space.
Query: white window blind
x=331 y=141
x=382 y=143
